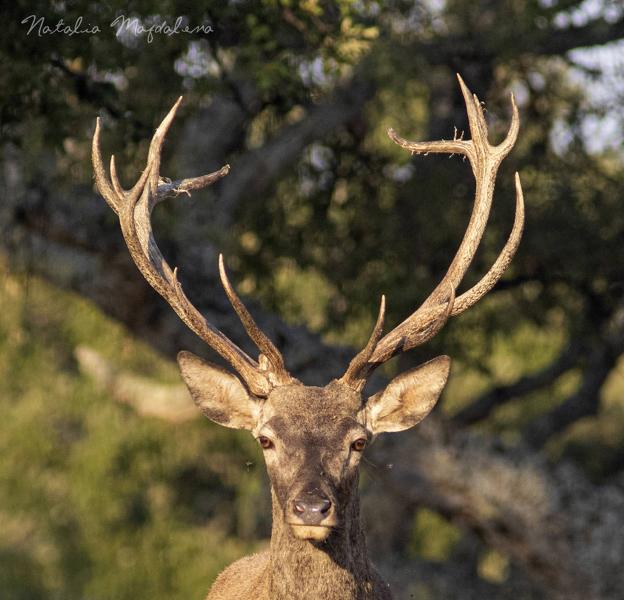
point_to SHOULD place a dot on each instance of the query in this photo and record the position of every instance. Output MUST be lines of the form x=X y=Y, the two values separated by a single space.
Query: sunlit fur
x=312 y=430
x=312 y=440
x=313 y=533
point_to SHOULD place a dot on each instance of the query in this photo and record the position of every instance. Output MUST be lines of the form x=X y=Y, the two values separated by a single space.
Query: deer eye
x=265 y=442
x=359 y=444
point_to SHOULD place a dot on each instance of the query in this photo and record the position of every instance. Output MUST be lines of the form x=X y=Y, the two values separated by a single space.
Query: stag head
x=313 y=437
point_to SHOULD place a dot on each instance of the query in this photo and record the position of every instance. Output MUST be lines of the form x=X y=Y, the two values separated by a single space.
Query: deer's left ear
x=408 y=398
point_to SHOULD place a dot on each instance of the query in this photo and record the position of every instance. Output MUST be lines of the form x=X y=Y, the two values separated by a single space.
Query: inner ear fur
x=408 y=398
x=220 y=395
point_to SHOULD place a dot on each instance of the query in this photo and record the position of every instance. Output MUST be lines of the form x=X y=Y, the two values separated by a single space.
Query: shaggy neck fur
x=336 y=569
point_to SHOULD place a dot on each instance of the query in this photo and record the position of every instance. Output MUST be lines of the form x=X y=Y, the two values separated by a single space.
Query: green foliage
x=493 y=566
x=96 y=501
x=433 y=538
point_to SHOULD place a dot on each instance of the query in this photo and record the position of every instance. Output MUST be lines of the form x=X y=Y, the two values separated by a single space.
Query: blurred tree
x=320 y=214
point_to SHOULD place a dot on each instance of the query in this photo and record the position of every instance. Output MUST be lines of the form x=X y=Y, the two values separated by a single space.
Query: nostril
x=311 y=508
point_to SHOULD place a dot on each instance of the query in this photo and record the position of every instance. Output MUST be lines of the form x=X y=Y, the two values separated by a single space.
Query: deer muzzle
x=312 y=515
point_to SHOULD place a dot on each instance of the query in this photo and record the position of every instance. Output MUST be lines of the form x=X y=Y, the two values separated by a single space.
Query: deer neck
x=337 y=568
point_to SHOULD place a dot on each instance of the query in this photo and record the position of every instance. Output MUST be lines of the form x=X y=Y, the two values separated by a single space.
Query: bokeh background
x=112 y=487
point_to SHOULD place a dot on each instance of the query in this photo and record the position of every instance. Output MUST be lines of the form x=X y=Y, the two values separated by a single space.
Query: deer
x=313 y=438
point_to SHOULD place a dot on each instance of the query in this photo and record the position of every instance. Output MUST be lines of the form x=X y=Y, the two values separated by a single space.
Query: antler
x=441 y=304
x=134 y=208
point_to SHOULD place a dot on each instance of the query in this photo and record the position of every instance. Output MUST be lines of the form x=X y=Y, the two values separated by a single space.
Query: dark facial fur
x=311 y=457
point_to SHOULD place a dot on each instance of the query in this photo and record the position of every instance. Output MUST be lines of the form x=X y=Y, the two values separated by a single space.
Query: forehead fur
x=307 y=404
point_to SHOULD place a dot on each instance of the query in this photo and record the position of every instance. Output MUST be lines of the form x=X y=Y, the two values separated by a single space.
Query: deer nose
x=311 y=509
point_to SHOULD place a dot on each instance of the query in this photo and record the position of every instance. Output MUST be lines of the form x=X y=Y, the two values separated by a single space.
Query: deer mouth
x=315 y=533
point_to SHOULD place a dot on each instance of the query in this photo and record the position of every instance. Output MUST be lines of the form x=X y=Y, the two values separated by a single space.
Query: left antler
x=441 y=304
x=134 y=208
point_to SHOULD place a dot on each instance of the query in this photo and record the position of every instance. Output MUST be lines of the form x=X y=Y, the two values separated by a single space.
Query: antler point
x=223 y=273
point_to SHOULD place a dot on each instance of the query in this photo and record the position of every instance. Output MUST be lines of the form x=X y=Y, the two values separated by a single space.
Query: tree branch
x=482 y=407
x=254 y=173
x=69 y=237
x=532 y=512
x=593 y=33
x=583 y=403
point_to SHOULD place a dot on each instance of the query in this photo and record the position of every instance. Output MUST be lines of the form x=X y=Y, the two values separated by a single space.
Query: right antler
x=134 y=208
x=441 y=304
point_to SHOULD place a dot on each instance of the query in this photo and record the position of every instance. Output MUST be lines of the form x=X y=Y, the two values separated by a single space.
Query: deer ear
x=408 y=398
x=219 y=395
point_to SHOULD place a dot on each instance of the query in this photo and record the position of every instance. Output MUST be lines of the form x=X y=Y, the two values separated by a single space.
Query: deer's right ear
x=219 y=395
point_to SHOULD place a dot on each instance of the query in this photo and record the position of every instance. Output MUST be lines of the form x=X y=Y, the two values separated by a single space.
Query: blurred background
x=111 y=485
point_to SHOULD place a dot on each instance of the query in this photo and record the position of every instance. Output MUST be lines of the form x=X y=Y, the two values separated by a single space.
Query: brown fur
x=311 y=423
x=312 y=432
x=294 y=569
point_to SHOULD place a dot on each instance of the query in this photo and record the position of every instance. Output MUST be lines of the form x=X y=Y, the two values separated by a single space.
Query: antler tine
x=278 y=374
x=484 y=159
x=121 y=193
x=134 y=208
x=101 y=179
x=356 y=373
x=489 y=280
x=414 y=332
x=155 y=149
